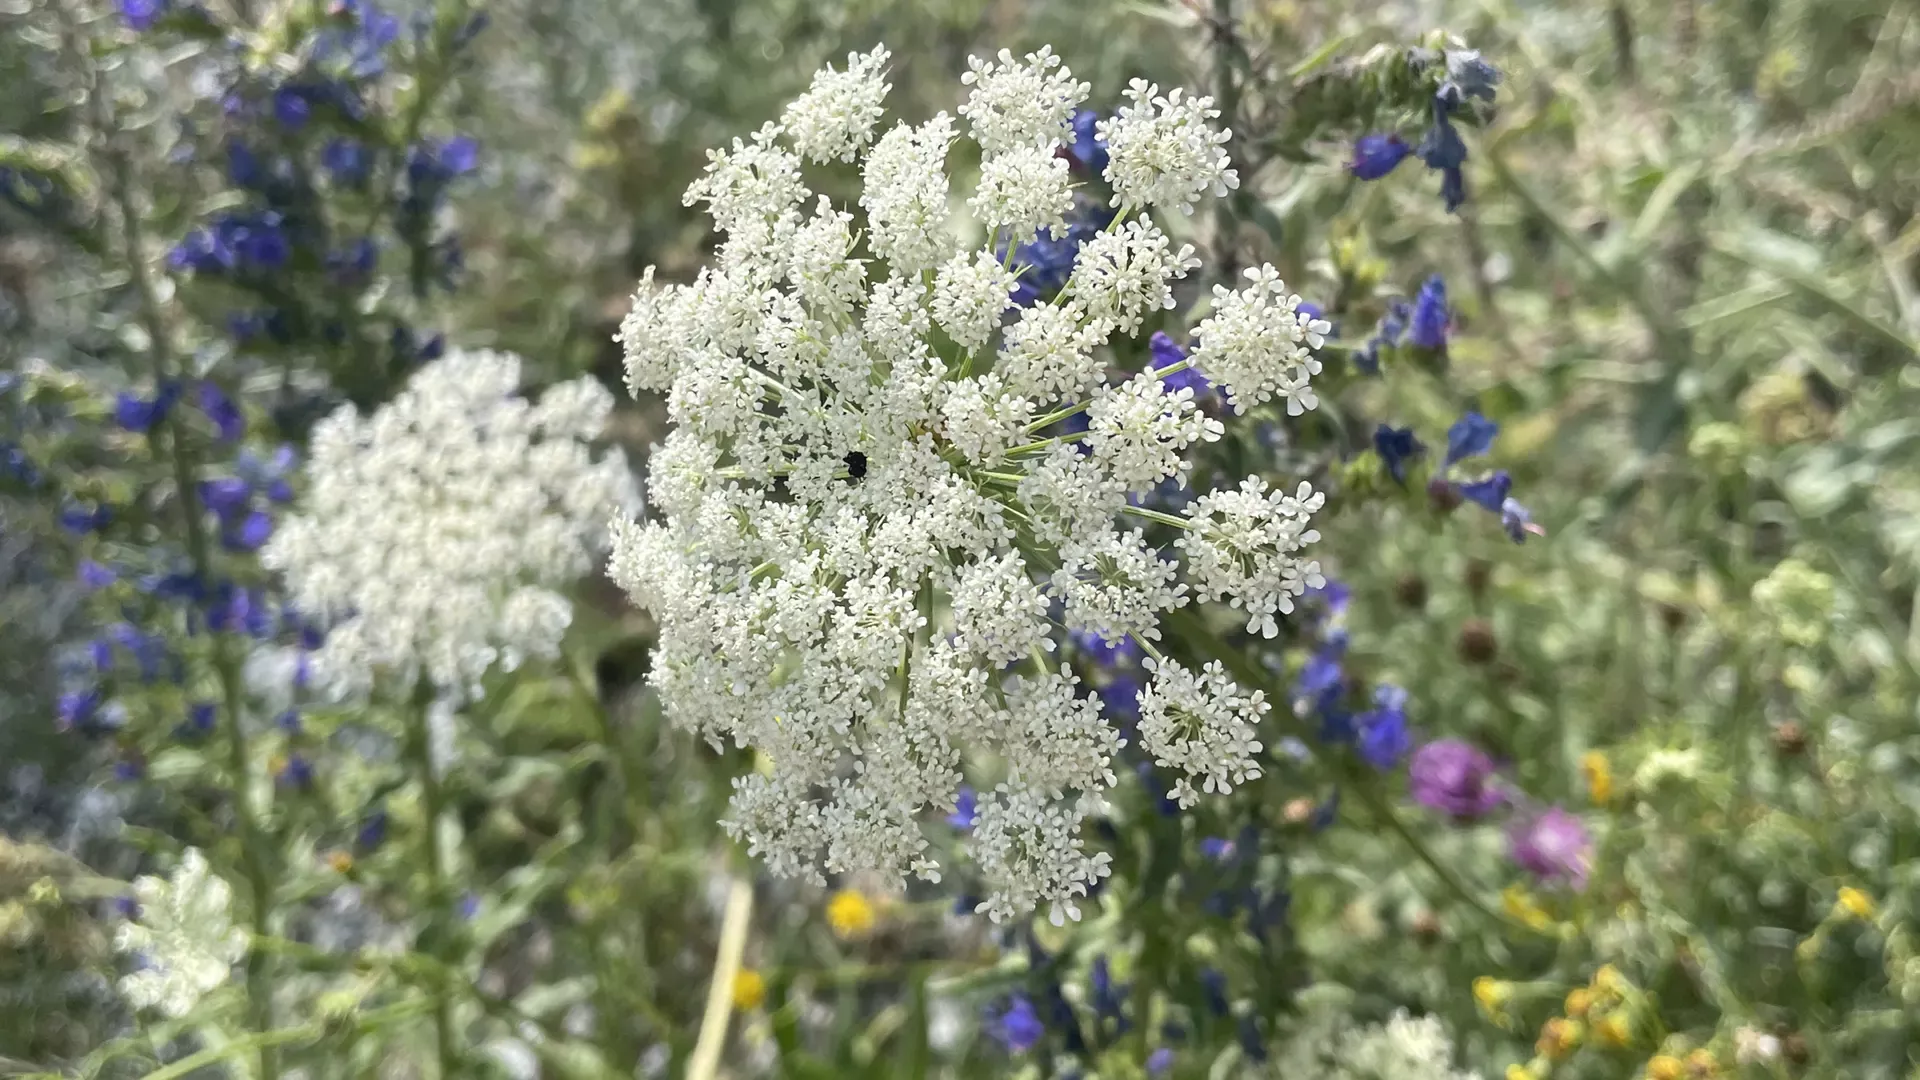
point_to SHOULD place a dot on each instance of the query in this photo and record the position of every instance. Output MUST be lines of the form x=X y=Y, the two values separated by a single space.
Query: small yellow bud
x=1593 y=765
x=1521 y=1072
x=340 y=859
x=1665 y=1067
x=1609 y=981
x=850 y=913
x=1579 y=1001
x=749 y=989
x=1522 y=908
x=1855 y=903
x=1615 y=1029
x=1492 y=994
x=1701 y=1063
x=1558 y=1038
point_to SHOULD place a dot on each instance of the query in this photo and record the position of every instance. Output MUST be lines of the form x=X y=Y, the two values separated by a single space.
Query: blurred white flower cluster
x=871 y=538
x=1329 y=1046
x=435 y=533
x=182 y=939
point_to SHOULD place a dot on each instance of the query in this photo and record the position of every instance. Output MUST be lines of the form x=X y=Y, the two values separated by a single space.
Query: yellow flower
x=850 y=913
x=749 y=989
x=1579 y=1001
x=1615 y=1029
x=340 y=859
x=1492 y=994
x=1701 y=1063
x=1855 y=903
x=1521 y=907
x=1665 y=1067
x=1593 y=764
x=1521 y=1072
x=1609 y=981
x=1559 y=1037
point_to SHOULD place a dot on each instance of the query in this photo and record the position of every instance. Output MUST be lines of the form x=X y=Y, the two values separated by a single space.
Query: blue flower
x=1107 y=999
x=1384 y=739
x=292 y=107
x=288 y=721
x=1374 y=156
x=1016 y=1026
x=1333 y=596
x=373 y=831
x=78 y=519
x=234 y=242
x=1442 y=149
x=1428 y=327
x=1396 y=447
x=468 y=906
x=1213 y=986
x=1160 y=1061
x=142 y=14
x=1216 y=848
x=1517 y=521
x=1470 y=436
x=1468 y=76
x=1488 y=491
x=95 y=576
x=1105 y=653
x=1087 y=150
x=1119 y=697
x=965 y=809
x=200 y=718
x=1250 y=1044
x=77 y=708
x=269 y=476
x=136 y=413
x=1320 y=678
x=226 y=496
x=353 y=263
x=347 y=161
x=296 y=771
x=228 y=424
x=244 y=167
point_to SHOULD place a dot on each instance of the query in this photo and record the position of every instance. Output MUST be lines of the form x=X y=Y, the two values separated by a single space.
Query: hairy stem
x=433 y=803
x=168 y=442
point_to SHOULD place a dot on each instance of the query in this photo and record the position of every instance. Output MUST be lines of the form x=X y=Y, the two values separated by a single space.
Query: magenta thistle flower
x=1553 y=846
x=1454 y=778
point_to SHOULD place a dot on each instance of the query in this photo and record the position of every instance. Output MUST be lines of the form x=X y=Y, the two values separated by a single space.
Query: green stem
x=167 y=441
x=1226 y=97
x=264 y=1040
x=433 y=798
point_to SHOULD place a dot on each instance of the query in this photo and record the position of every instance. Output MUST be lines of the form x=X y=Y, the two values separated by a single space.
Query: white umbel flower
x=1403 y=1048
x=1022 y=192
x=752 y=184
x=1020 y=104
x=1256 y=344
x=1124 y=274
x=969 y=296
x=182 y=938
x=906 y=195
x=1049 y=354
x=1241 y=547
x=1139 y=431
x=436 y=532
x=1206 y=726
x=863 y=512
x=982 y=420
x=834 y=119
x=1161 y=151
